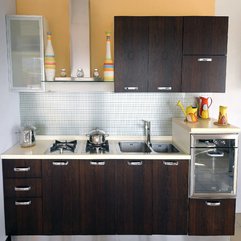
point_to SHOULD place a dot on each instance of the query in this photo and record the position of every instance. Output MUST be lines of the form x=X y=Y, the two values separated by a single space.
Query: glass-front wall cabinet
x=25 y=42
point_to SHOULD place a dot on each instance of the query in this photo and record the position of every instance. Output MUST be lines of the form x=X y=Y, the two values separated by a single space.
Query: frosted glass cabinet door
x=25 y=52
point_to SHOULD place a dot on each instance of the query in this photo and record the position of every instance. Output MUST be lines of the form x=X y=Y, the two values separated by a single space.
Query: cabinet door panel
x=131 y=54
x=208 y=219
x=165 y=53
x=170 y=196
x=134 y=197
x=61 y=197
x=203 y=73
x=23 y=216
x=205 y=35
x=97 y=197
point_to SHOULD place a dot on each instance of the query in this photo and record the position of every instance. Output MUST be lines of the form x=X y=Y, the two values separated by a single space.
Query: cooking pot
x=27 y=136
x=97 y=136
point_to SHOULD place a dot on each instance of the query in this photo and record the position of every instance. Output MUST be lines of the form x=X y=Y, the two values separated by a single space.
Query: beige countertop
x=206 y=126
x=43 y=144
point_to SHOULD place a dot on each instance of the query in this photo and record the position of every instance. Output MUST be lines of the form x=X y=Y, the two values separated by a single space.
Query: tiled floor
x=237 y=236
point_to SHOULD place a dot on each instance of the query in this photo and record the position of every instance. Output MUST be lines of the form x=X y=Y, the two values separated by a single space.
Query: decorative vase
x=49 y=61
x=108 y=64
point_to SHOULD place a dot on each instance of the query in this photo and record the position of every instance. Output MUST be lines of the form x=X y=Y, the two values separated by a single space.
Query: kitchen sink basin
x=164 y=148
x=134 y=147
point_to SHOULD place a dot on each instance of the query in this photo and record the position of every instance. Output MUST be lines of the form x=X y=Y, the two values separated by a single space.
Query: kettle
x=190 y=113
x=27 y=136
x=204 y=104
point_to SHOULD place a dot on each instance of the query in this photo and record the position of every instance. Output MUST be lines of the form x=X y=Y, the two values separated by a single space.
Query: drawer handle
x=168 y=163
x=133 y=163
x=23 y=203
x=164 y=88
x=21 y=169
x=215 y=153
x=213 y=204
x=22 y=189
x=205 y=60
x=131 y=88
x=93 y=163
x=62 y=163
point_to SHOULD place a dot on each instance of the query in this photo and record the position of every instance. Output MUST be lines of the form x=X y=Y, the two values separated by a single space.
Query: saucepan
x=97 y=136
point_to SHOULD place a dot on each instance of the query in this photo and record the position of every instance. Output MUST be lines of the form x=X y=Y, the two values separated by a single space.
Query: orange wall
x=101 y=20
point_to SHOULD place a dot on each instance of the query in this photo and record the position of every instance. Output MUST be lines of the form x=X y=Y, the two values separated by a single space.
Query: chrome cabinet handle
x=215 y=153
x=22 y=189
x=133 y=163
x=169 y=163
x=213 y=204
x=164 y=88
x=23 y=203
x=21 y=169
x=62 y=163
x=204 y=59
x=93 y=163
x=131 y=88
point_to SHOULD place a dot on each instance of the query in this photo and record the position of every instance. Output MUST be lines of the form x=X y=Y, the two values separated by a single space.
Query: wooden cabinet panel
x=97 y=197
x=170 y=197
x=23 y=216
x=24 y=187
x=18 y=168
x=165 y=54
x=131 y=54
x=203 y=76
x=61 y=197
x=211 y=217
x=134 y=197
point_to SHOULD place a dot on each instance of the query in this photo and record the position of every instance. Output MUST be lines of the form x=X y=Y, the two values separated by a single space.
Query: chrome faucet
x=147 y=132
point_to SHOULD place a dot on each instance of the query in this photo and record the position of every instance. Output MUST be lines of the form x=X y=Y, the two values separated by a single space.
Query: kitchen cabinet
x=25 y=46
x=97 y=197
x=148 y=53
x=134 y=196
x=22 y=196
x=170 y=196
x=204 y=54
x=61 y=197
x=211 y=217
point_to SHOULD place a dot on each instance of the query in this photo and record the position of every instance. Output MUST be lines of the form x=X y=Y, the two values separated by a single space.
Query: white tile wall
x=116 y=113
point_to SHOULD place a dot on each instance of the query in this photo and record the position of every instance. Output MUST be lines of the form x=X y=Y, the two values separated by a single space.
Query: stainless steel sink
x=164 y=148
x=134 y=147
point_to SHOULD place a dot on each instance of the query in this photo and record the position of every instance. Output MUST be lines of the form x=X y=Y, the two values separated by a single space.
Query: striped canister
x=49 y=60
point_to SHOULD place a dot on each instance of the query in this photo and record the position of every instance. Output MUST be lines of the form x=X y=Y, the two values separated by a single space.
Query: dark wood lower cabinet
x=211 y=217
x=134 y=196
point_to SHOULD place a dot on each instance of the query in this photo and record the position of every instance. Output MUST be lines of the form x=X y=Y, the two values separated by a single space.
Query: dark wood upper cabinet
x=97 y=197
x=131 y=54
x=170 y=197
x=61 y=197
x=205 y=35
x=134 y=196
x=211 y=217
x=165 y=54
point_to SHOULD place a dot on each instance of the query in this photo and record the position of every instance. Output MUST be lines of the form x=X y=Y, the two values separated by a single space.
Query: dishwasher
x=213 y=166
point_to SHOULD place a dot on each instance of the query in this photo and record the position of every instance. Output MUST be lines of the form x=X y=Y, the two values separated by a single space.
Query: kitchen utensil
x=204 y=105
x=27 y=136
x=190 y=113
x=97 y=136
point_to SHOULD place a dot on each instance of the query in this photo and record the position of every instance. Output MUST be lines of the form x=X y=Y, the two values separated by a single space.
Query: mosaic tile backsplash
x=115 y=113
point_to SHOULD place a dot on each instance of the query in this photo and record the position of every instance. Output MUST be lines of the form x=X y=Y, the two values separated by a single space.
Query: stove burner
x=94 y=148
x=63 y=146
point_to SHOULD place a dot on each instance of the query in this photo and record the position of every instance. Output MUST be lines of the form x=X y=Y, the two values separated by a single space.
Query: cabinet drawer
x=24 y=187
x=211 y=217
x=21 y=168
x=23 y=216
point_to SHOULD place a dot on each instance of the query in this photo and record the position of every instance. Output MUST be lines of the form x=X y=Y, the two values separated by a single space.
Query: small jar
x=80 y=73
x=63 y=72
x=96 y=73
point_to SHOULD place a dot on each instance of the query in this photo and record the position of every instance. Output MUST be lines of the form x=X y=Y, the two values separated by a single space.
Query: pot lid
x=96 y=131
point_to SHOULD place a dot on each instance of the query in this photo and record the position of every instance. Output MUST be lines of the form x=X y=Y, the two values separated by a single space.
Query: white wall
x=232 y=97
x=9 y=102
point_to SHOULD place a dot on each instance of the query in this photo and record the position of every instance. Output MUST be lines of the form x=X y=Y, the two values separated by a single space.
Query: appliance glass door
x=214 y=171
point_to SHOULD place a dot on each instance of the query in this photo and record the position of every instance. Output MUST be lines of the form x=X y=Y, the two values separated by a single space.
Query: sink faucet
x=147 y=132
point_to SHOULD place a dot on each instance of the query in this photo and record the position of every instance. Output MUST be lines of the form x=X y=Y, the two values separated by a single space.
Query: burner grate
x=63 y=146
x=94 y=148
